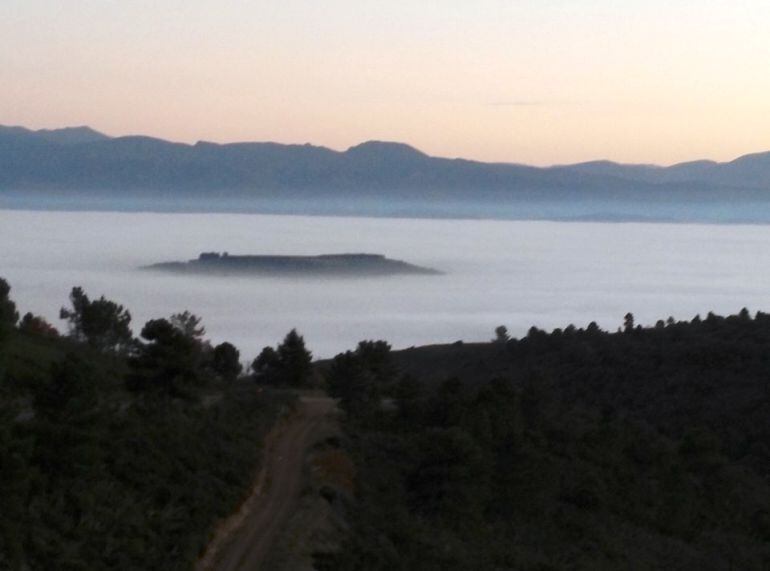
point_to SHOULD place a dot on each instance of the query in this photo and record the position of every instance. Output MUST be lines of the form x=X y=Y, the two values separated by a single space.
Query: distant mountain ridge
x=751 y=170
x=389 y=177
x=64 y=136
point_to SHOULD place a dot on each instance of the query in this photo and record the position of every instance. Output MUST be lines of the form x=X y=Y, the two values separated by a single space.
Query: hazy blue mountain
x=749 y=171
x=65 y=136
x=80 y=167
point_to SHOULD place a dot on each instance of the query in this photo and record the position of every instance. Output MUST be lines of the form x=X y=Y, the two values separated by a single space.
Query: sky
x=528 y=81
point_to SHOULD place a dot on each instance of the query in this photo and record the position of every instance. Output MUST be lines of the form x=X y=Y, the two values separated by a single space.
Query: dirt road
x=244 y=540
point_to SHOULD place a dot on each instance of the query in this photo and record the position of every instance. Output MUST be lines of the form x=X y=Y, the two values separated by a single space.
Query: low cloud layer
x=518 y=274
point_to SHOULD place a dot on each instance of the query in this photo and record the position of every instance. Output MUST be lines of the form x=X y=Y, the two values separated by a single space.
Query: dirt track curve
x=243 y=542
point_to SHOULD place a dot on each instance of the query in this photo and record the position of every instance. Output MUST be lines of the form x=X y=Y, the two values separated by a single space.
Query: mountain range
x=81 y=168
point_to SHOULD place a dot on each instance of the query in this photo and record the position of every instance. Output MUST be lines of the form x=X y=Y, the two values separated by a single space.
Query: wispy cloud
x=530 y=103
x=518 y=103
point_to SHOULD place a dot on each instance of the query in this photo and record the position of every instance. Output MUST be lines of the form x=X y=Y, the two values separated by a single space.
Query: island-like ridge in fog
x=324 y=265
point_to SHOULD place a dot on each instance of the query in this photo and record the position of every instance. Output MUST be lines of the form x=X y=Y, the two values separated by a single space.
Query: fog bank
x=547 y=274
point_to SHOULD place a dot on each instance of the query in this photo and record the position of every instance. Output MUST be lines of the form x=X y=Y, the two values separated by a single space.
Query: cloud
x=519 y=103
x=531 y=103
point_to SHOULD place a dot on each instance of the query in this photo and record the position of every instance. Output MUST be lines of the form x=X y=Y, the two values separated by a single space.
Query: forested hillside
x=115 y=452
x=646 y=448
x=575 y=449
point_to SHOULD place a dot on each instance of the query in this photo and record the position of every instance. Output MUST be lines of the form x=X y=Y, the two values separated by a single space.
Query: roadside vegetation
x=119 y=452
x=646 y=448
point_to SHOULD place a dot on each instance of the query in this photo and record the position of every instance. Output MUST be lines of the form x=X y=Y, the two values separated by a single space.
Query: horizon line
x=381 y=141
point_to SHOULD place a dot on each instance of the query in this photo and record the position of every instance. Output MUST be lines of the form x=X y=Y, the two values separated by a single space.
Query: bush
x=37 y=325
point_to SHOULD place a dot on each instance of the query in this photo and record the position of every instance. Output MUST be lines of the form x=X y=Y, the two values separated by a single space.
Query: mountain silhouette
x=372 y=177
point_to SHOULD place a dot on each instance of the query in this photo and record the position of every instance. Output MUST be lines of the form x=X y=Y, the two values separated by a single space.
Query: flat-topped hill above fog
x=214 y=263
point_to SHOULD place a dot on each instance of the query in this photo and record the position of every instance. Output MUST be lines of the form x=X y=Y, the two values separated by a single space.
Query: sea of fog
x=513 y=273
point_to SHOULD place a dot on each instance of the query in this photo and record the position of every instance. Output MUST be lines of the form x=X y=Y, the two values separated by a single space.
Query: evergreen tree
x=8 y=314
x=101 y=323
x=290 y=363
x=188 y=324
x=360 y=378
x=295 y=359
x=267 y=365
x=226 y=361
x=628 y=322
x=169 y=362
x=501 y=334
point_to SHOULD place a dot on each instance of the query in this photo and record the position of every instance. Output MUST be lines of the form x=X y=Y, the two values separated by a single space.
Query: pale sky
x=531 y=81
